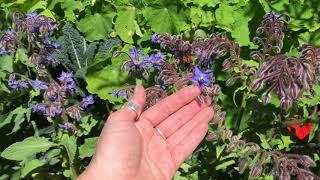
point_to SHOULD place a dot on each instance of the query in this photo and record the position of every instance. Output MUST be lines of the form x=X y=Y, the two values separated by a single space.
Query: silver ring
x=160 y=133
x=132 y=106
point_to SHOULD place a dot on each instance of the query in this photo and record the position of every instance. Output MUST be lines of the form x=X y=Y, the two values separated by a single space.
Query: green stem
x=241 y=111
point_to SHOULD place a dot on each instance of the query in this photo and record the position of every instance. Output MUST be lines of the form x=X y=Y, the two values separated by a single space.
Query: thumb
x=139 y=99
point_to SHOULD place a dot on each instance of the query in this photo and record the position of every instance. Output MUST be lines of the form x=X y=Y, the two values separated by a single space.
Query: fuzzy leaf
x=235 y=19
x=111 y=77
x=6 y=63
x=30 y=146
x=31 y=165
x=95 y=27
x=124 y=25
x=70 y=144
x=165 y=19
x=88 y=148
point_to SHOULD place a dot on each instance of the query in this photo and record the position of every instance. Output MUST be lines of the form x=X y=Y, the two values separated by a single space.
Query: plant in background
x=267 y=108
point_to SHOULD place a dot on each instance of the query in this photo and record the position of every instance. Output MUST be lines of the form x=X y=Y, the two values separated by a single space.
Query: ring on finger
x=133 y=106
x=160 y=133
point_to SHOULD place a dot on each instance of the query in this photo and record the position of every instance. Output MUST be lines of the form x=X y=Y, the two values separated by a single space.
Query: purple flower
x=138 y=63
x=202 y=78
x=74 y=112
x=157 y=59
x=39 y=85
x=18 y=84
x=154 y=39
x=66 y=79
x=120 y=93
x=87 y=101
x=67 y=126
x=9 y=41
x=40 y=107
x=3 y=52
x=53 y=111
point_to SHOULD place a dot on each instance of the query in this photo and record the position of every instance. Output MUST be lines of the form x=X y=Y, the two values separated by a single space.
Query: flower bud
x=256 y=170
x=286 y=103
x=243 y=164
x=308 y=161
x=256 y=85
x=212 y=137
x=266 y=98
x=226 y=65
x=295 y=91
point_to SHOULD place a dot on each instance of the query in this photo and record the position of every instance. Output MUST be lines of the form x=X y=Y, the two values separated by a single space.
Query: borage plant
x=48 y=96
x=287 y=78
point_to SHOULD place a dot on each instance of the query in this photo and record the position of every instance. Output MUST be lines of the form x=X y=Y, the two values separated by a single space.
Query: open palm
x=134 y=149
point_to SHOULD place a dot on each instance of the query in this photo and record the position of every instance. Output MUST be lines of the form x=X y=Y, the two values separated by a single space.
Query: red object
x=301 y=132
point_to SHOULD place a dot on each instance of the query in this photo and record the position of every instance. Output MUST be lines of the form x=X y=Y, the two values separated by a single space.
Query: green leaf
x=200 y=17
x=111 y=77
x=286 y=141
x=225 y=164
x=22 y=56
x=70 y=144
x=75 y=54
x=30 y=146
x=31 y=165
x=21 y=116
x=313 y=101
x=264 y=141
x=87 y=123
x=235 y=19
x=6 y=63
x=201 y=3
x=18 y=116
x=88 y=148
x=69 y=7
x=125 y=24
x=165 y=19
x=95 y=27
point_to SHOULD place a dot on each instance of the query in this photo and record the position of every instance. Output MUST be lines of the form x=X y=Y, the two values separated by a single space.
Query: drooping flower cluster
x=35 y=30
x=55 y=97
x=288 y=77
x=270 y=35
x=258 y=160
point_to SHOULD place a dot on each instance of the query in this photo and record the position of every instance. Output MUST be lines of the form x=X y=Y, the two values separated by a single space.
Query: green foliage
x=30 y=146
x=76 y=54
x=88 y=148
x=109 y=78
x=90 y=31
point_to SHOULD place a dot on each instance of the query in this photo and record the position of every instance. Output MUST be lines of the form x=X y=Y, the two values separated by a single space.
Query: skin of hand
x=131 y=147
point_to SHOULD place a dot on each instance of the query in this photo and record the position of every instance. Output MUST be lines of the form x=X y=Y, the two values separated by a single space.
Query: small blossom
x=39 y=85
x=120 y=93
x=18 y=84
x=67 y=126
x=138 y=64
x=66 y=79
x=202 y=78
x=74 y=112
x=40 y=107
x=86 y=101
x=154 y=39
x=53 y=111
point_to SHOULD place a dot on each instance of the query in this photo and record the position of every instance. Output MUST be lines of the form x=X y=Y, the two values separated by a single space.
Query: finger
x=171 y=104
x=139 y=98
x=179 y=118
x=181 y=152
x=201 y=117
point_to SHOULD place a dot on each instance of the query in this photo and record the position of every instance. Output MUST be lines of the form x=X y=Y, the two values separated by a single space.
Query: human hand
x=132 y=148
